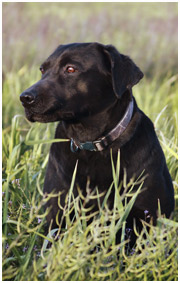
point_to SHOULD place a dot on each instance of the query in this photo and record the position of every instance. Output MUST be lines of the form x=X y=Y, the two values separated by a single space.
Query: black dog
x=88 y=87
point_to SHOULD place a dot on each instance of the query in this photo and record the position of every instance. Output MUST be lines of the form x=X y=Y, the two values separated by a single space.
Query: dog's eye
x=70 y=69
x=42 y=70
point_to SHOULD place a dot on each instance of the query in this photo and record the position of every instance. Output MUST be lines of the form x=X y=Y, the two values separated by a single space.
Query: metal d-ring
x=73 y=146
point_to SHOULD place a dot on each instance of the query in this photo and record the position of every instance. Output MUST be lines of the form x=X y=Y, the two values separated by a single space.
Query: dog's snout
x=27 y=98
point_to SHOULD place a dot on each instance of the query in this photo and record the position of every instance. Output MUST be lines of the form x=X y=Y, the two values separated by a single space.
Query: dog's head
x=79 y=80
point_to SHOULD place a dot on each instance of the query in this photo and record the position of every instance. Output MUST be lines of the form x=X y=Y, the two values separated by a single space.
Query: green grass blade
x=29 y=142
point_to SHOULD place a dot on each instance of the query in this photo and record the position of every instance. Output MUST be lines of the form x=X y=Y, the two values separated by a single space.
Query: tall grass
x=82 y=252
x=147 y=32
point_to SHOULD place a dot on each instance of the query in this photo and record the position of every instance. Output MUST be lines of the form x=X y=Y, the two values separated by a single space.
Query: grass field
x=148 y=33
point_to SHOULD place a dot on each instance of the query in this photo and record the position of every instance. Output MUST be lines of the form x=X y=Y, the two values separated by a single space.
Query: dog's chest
x=94 y=170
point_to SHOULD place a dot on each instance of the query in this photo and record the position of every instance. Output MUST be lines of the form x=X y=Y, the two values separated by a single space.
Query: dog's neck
x=99 y=125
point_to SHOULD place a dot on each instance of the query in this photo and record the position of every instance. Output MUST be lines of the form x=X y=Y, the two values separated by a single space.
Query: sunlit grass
x=82 y=252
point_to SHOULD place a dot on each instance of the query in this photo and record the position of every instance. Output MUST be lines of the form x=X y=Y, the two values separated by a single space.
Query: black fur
x=90 y=102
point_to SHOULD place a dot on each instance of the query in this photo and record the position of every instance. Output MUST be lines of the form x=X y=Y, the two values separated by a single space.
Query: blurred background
x=145 y=31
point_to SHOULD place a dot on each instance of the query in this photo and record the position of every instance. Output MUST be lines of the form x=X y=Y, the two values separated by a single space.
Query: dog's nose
x=27 y=98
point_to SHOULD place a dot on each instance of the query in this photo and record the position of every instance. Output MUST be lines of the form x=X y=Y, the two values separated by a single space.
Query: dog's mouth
x=50 y=115
x=40 y=112
x=57 y=110
x=33 y=116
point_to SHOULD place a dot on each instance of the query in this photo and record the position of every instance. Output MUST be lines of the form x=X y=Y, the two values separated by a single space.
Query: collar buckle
x=83 y=146
x=88 y=146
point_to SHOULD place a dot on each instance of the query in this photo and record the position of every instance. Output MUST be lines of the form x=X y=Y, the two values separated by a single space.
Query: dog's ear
x=125 y=74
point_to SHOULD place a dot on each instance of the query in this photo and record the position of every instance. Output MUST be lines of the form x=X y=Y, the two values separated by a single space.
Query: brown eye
x=42 y=70
x=70 y=69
